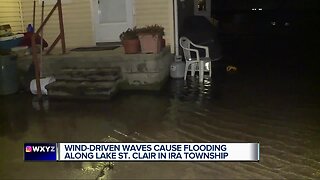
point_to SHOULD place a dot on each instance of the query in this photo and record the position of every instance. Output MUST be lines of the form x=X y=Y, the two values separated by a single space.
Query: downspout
x=176 y=28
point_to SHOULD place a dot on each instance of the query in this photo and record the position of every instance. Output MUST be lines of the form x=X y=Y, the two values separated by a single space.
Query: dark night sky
x=230 y=5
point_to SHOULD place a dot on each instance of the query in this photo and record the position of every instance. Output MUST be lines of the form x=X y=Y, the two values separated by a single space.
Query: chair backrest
x=185 y=45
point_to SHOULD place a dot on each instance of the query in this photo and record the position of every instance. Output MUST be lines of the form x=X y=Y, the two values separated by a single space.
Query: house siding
x=77 y=22
x=148 y=12
x=10 y=13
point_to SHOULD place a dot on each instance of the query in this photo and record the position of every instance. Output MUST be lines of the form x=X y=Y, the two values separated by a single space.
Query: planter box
x=131 y=46
x=150 y=43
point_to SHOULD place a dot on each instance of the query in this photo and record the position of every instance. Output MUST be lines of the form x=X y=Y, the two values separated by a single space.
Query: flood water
x=273 y=100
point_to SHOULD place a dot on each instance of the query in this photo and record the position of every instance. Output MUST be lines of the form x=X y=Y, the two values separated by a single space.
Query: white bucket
x=43 y=83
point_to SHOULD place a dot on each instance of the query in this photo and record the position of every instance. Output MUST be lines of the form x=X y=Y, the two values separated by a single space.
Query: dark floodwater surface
x=270 y=101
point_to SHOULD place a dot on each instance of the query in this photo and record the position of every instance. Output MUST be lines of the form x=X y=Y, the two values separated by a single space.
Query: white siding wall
x=10 y=13
x=77 y=22
x=148 y=12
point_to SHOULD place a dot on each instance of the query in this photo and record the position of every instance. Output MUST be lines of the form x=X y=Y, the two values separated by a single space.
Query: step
x=82 y=89
x=90 y=74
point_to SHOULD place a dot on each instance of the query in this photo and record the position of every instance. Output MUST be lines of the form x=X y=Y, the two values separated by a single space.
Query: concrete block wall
x=138 y=70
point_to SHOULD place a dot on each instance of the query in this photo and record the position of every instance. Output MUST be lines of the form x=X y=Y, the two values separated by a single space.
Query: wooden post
x=55 y=42
x=61 y=37
x=46 y=19
x=63 y=42
x=41 y=40
x=34 y=16
x=36 y=64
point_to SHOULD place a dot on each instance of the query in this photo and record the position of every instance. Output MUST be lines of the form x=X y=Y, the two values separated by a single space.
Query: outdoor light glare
x=207 y=65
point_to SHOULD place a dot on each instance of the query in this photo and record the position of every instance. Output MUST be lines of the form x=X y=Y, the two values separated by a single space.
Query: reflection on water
x=284 y=120
x=192 y=90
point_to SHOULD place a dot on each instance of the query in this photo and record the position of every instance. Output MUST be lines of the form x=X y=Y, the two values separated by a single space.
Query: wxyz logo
x=43 y=149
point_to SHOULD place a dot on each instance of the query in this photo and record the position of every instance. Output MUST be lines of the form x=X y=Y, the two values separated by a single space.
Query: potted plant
x=151 y=38
x=130 y=41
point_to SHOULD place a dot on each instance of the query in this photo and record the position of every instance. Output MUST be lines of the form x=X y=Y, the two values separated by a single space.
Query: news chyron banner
x=141 y=152
x=40 y=152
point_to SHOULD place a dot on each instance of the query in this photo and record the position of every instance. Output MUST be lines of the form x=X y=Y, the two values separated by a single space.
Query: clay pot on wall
x=150 y=43
x=151 y=38
x=163 y=43
x=130 y=41
x=131 y=46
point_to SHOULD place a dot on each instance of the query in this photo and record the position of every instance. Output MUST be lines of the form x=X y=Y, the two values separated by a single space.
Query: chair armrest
x=206 y=48
x=193 y=50
x=197 y=53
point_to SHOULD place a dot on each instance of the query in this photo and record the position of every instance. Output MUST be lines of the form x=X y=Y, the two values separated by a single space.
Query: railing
x=61 y=37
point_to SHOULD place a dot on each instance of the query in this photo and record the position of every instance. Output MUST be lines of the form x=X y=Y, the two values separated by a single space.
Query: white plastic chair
x=189 y=47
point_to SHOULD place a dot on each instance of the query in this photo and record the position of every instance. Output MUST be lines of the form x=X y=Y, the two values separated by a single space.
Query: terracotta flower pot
x=150 y=43
x=163 y=43
x=131 y=46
